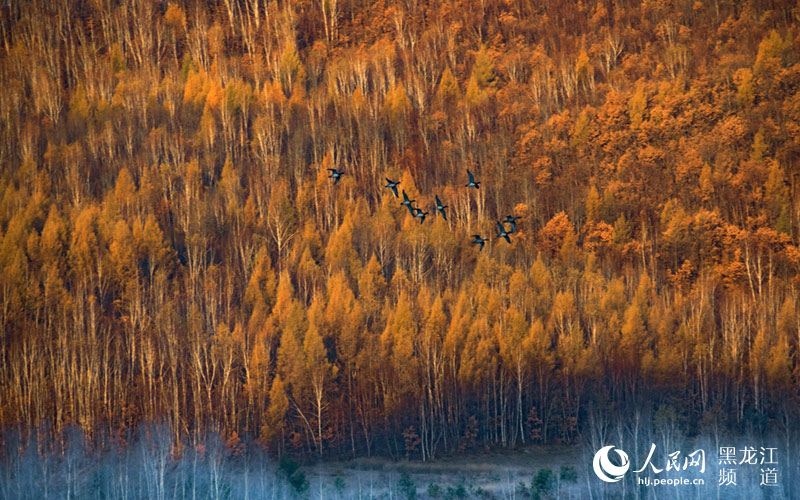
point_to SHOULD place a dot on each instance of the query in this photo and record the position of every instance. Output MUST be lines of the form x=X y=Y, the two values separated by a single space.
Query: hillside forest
x=172 y=249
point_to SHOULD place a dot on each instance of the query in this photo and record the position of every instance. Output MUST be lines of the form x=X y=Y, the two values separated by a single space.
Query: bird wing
x=500 y=227
x=471 y=178
x=438 y=202
x=394 y=190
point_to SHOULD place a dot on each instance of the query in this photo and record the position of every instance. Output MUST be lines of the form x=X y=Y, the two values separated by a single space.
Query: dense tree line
x=172 y=250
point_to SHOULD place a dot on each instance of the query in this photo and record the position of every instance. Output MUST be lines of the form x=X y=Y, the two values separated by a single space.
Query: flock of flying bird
x=439 y=208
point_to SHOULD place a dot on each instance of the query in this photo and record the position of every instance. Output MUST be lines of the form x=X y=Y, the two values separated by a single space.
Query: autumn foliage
x=171 y=248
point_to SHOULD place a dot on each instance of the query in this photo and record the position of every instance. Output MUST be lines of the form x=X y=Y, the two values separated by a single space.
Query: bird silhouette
x=419 y=214
x=503 y=233
x=406 y=201
x=440 y=208
x=336 y=175
x=472 y=182
x=513 y=221
x=478 y=241
x=392 y=185
x=411 y=209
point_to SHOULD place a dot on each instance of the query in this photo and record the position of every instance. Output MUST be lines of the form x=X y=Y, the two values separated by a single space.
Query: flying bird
x=419 y=214
x=503 y=233
x=406 y=201
x=392 y=185
x=440 y=208
x=478 y=241
x=472 y=182
x=513 y=221
x=336 y=175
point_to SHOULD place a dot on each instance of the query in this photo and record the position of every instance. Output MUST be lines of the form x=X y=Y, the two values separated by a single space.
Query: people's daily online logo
x=611 y=464
x=612 y=468
x=605 y=469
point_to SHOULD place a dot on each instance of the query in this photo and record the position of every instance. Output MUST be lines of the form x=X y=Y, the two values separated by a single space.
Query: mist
x=150 y=465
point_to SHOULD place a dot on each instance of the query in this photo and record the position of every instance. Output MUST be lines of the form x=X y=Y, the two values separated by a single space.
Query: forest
x=172 y=249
